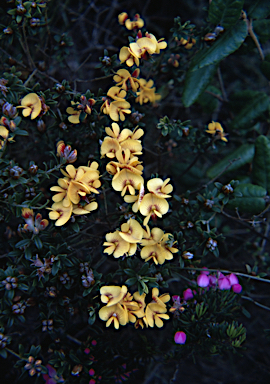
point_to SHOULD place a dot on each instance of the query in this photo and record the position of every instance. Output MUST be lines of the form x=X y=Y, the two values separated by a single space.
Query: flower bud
x=188 y=294
x=203 y=281
x=180 y=337
x=224 y=283
x=33 y=169
x=41 y=126
x=237 y=288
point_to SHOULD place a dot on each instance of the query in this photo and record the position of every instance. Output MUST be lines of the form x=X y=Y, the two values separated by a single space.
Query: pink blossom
x=224 y=283
x=94 y=342
x=237 y=288
x=92 y=381
x=206 y=272
x=87 y=351
x=203 y=281
x=91 y=372
x=233 y=279
x=180 y=337
x=188 y=294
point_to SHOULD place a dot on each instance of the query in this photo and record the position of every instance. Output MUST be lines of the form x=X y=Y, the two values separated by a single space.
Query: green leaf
x=196 y=82
x=245 y=155
x=23 y=243
x=259 y=9
x=253 y=109
x=225 y=45
x=261 y=163
x=225 y=12
x=3 y=353
x=38 y=242
x=131 y=281
x=252 y=200
x=262 y=29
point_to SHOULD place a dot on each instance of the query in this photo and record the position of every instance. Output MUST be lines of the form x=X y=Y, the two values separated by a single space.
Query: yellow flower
x=4 y=133
x=146 y=45
x=122 y=18
x=117 y=246
x=112 y=294
x=132 y=232
x=160 y=44
x=115 y=314
x=146 y=92
x=152 y=205
x=31 y=105
x=122 y=77
x=126 y=180
x=75 y=114
x=155 y=246
x=130 y=56
x=154 y=314
x=62 y=190
x=109 y=147
x=60 y=213
x=215 y=128
x=160 y=300
x=136 y=23
x=115 y=133
x=125 y=161
x=140 y=299
x=118 y=109
x=159 y=187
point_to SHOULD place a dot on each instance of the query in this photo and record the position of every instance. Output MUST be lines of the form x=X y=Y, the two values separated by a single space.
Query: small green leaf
x=38 y=242
x=196 y=82
x=252 y=200
x=261 y=163
x=23 y=243
x=245 y=155
x=225 y=12
x=225 y=45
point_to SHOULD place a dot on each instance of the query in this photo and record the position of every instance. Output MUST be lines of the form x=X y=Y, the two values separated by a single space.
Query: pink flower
x=203 y=281
x=87 y=351
x=92 y=381
x=224 y=283
x=212 y=280
x=180 y=337
x=91 y=372
x=237 y=288
x=233 y=279
x=188 y=294
x=94 y=342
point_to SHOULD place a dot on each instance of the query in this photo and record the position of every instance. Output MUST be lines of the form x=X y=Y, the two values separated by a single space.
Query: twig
x=222 y=85
x=255 y=302
x=30 y=77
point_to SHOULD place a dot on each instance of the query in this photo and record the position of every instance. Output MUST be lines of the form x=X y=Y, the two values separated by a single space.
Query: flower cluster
x=122 y=307
x=156 y=245
x=33 y=224
x=72 y=191
x=219 y=281
x=115 y=105
x=65 y=152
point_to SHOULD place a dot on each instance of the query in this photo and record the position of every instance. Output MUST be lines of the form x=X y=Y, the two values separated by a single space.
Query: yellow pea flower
x=132 y=232
x=136 y=199
x=136 y=23
x=152 y=205
x=117 y=246
x=126 y=180
x=159 y=187
x=146 y=92
x=159 y=44
x=115 y=314
x=112 y=294
x=78 y=209
x=215 y=128
x=60 y=213
x=75 y=114
x=122 y=77
x=154 y=314
x=31 y=105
